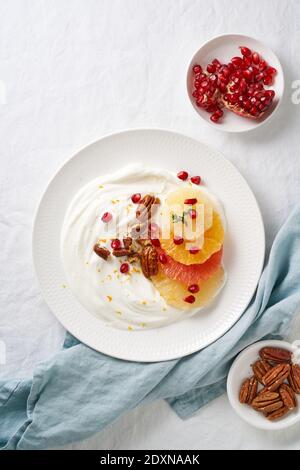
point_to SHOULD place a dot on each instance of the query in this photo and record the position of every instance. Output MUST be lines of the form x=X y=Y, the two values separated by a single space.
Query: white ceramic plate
x=241 y=369
x=224 y=48
x=243 y=250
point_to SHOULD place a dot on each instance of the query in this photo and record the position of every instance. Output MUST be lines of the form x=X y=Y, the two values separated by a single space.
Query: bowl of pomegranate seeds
x=235 y=82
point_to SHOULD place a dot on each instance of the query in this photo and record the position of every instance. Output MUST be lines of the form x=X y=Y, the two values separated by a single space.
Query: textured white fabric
x=72 y=71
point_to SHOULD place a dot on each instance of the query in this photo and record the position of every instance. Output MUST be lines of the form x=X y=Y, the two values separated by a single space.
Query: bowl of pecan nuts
x=263 y=384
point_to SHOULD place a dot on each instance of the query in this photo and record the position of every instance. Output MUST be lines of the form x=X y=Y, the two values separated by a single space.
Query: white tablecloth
x=72 y=71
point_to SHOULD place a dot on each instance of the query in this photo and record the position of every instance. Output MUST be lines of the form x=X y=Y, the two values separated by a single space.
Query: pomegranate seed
x=219 y=112
x=195 y=94
x=243 y=85
x=267 y=100
x=247 y=104
x=193 y=214
x=178 y=240
x=106 y=217
x=197 y=68
x=212 y=108
x=214 y=118
x=211 y=68
x=235 y=87
x=182 y=175
x=233 y=99
x=205 y=84
x=222 y=87
x=213 y=78
x=196 y=179
x=262 y=65
x=270 y=93
x=194 y=251
x=155 y=242
x=124 y=268
x=247 y=61
x=163 y=258
x=238 y=73
x=193 y=288
x=190 y=299
x=258 y=86
x=136 y=198
x=225 y=71
x=255 y=58
x=227 y=97
x=246 y=51
x=191 y=201
x=253 y=111
x=197 y=84
x=271 y=71
x=217 y=63
x=224 y=79
x=259 y=77
x=115 y=244
x=248 y=74
x=230 y=67
x=237 y=61
x=258 y=95
x=268 y=80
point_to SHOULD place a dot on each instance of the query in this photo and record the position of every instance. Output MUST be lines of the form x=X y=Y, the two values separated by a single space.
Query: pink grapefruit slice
x=192 y=273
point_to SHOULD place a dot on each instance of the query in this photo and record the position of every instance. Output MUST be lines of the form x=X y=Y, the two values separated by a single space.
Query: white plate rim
x=138 y=355
x=220 y=127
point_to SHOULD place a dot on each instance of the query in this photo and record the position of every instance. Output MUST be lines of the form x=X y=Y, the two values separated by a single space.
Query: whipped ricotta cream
x=127 y=301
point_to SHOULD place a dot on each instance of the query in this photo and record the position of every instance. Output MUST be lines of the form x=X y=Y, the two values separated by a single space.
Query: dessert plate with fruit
x=142 y=259
x=235 y=82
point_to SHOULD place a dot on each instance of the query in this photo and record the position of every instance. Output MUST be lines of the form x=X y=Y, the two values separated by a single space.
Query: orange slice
x=212 y=242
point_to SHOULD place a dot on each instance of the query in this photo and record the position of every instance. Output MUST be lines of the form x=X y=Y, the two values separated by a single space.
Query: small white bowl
x=241 y=369
x=224 y=48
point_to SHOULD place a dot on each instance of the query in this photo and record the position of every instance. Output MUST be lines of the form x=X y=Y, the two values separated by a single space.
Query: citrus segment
x=189 y=274
x=213 y=240
x=176 y=205
x=173 y=292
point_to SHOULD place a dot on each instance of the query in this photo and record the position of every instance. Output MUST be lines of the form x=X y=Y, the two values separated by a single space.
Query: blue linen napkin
x=79 y=391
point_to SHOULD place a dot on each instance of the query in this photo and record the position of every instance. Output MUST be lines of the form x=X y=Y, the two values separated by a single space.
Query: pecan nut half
x=278 y=413
x=127 y=242
x=149 y=261
x=119 y=252
x=288 y=396
x=272 y=407
x=144 y=209
x=276 y=376
x=101 y=251
x=248 y=390
x=276 y=355
x=264 y=399
x=294 y=378
x=260 y=368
